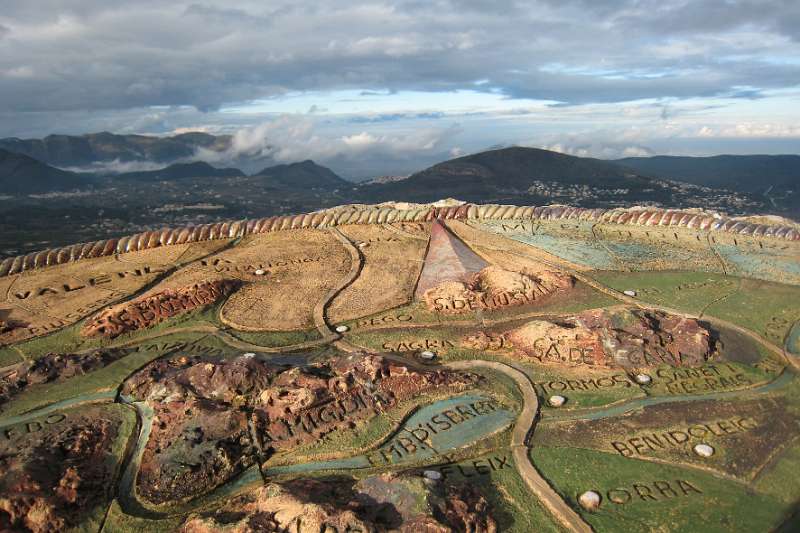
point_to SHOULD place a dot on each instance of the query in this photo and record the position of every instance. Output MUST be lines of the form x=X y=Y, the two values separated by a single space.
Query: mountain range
x=68 y=151
x=748 y=173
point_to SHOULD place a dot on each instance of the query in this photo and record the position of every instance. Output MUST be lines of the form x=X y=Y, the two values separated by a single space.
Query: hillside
x=180 y=171
x=93 y=148
x=302 y=175
x=510 y=173
x=746 y=173
x=20 y=174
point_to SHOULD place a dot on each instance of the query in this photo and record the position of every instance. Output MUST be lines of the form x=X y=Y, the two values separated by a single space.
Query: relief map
x=403 y=367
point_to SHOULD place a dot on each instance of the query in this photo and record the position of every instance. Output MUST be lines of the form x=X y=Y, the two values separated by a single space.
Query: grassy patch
x=766 y=308
x=699 y=502
x=687 y=291
x=276 y=339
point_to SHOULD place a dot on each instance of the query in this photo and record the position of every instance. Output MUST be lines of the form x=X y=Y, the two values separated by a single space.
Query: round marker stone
x=342 y=329
x=589 y=500
x=260 y=272
x=433 y=475
x=629 y=293
x=643 y=379
x=556 y=401
x=427 y=355
x=703 y=450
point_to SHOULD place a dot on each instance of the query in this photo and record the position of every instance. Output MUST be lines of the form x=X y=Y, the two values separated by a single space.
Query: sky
x=386 y=88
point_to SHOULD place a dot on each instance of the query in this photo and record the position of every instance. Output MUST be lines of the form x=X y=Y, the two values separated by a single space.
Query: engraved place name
x=647 y=443
x=101 y=279
x=607 y=382
x=478 y=467
x=652 y=491
x=571 y=349
x=220 y=264
x=416 y=345
x=493 y=301
x=323 y=418
x=382 y=320
x=703 y=379
x=296 y=525
x=690 y=286
x=412 y=440
x=12 y=432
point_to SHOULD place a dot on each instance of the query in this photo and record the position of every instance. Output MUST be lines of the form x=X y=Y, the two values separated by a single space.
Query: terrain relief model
x=403 y=367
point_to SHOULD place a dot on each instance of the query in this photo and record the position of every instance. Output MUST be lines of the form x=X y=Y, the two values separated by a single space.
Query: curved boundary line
x=339 y=216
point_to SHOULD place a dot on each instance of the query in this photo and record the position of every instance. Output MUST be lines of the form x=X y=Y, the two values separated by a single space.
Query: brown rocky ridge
x=381 y=503
x=495 y=288
x=52 y=478
x=215 y=418
x=150 y=310
x=625 y=337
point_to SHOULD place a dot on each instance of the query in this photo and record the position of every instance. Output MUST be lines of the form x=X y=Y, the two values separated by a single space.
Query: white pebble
x=342 y=329
x=557 y=401
x=427 y=355
x=643 y=379
x=433 y=475
x=703 y=450
x=260 y=272
x=248 y=355
x=589 y=500
x=629 y=293
x=362 y=245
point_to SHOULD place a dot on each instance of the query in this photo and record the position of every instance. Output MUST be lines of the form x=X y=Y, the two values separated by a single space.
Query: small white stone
x=427 y=355
x=433 y=475
x=629 y=293
x=557 y=401
x=643 y=379
x=589 y=500
x=248 y=355
x=342 y=329
x=703 y=450
x=363 y=245
x=260 y=272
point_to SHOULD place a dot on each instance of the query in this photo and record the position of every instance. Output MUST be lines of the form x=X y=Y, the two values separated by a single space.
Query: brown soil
x=495 y=288
x=629 y=338
x=213 y=419
x=148 y=311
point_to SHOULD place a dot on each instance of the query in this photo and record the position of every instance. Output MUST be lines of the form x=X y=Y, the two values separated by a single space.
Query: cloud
x=149 y=53
x=291 y=138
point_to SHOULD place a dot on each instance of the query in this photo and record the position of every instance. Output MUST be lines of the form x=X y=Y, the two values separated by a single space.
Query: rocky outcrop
x=615 y=338
x=340 y=504
x=53 y=477
x=51 y=368
x=151 y=310
x=495 y=288
x=213 y=419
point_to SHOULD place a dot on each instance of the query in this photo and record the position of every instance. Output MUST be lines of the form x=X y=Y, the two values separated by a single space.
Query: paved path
x=519 y=445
